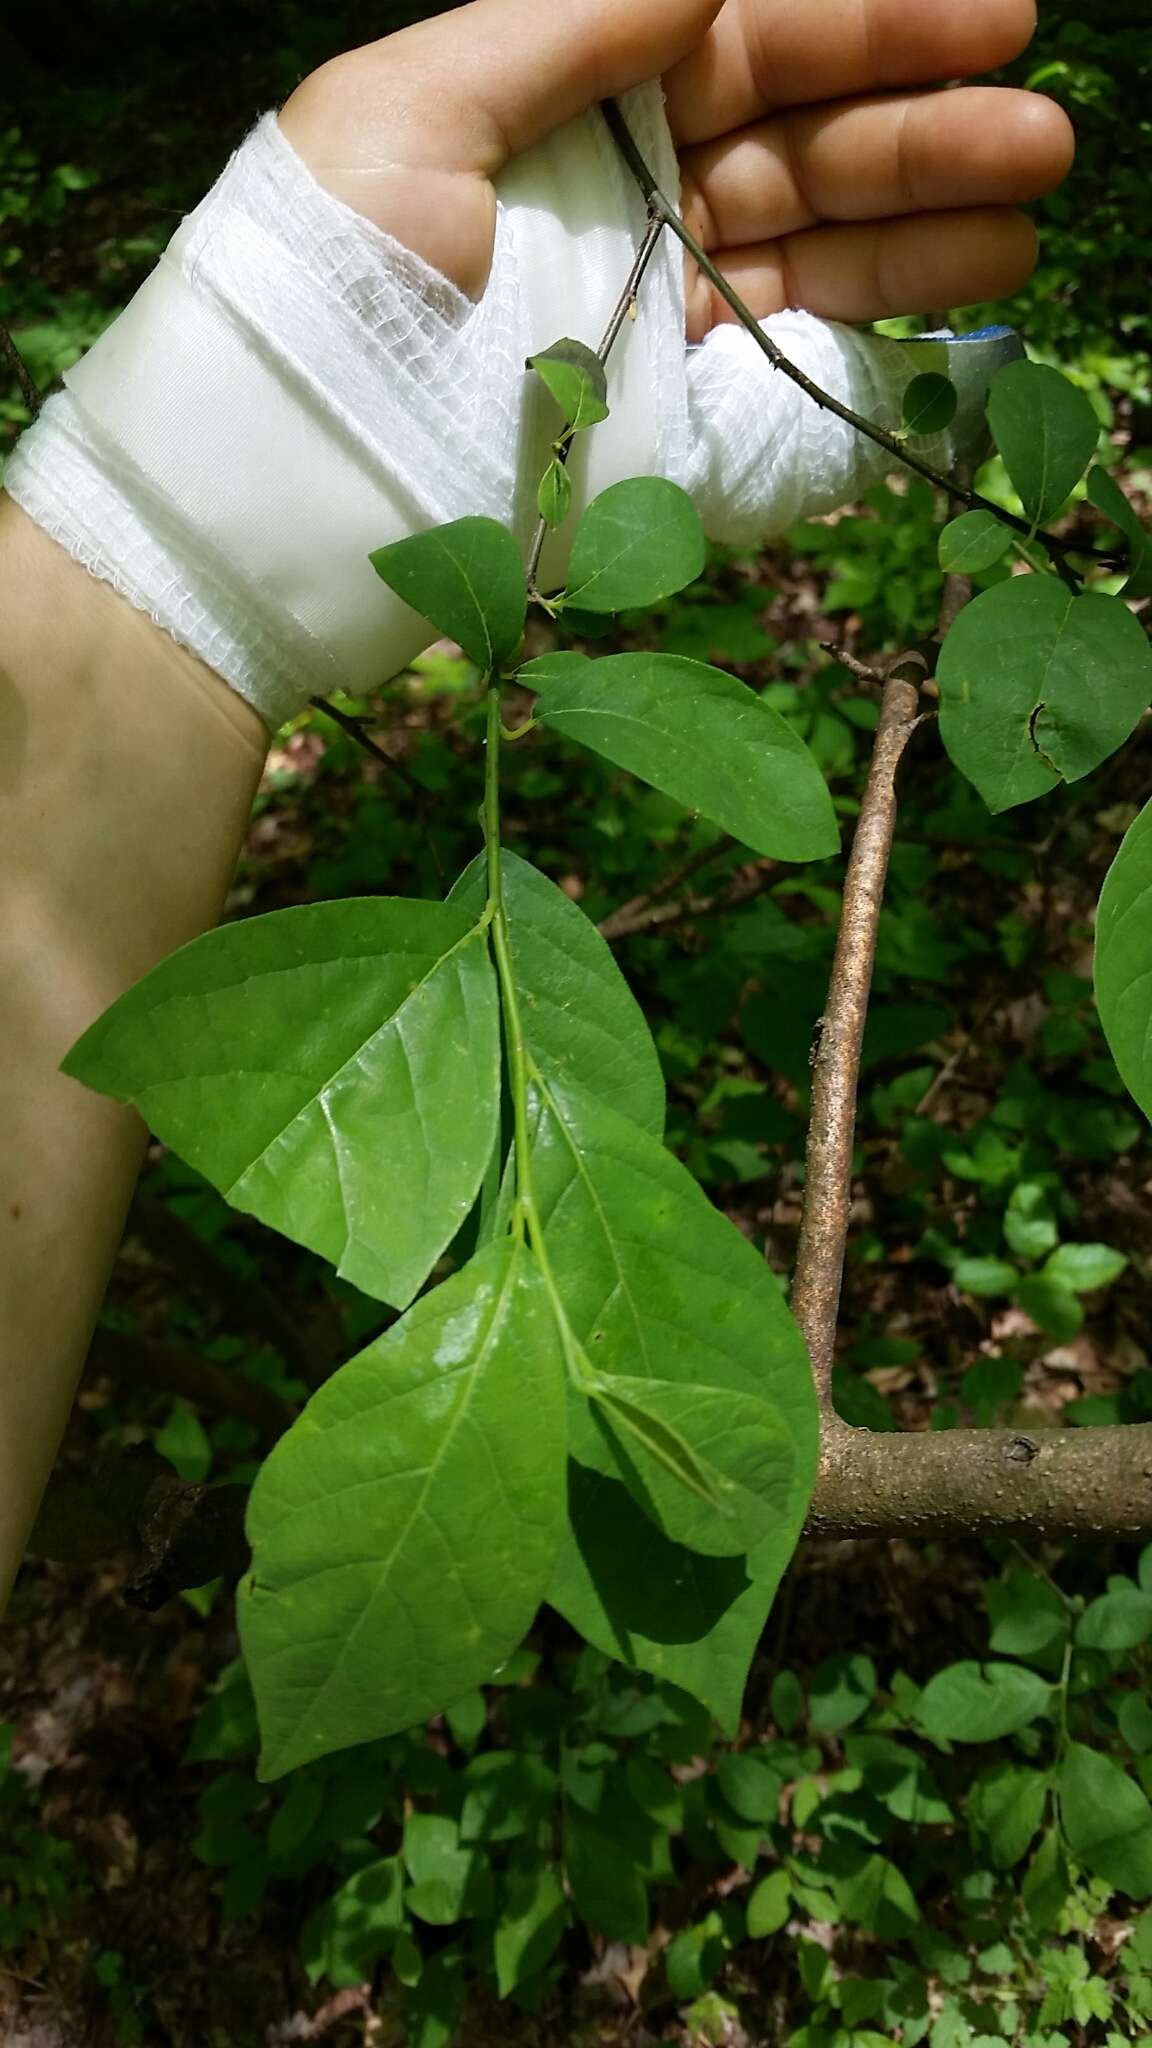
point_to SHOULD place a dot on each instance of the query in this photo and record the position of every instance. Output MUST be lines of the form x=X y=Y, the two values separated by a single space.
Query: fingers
x=871 y=158
x=764 y=54
x=874 y=270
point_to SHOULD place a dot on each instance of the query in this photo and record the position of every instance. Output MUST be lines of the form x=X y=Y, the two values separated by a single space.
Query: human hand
x=817 y=169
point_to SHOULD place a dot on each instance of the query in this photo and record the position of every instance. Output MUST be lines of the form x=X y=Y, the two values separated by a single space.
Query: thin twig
x=620 y=312
x=665 y=886
x=20 y=371
x=828 y=1179
x=664 y=210
x=354 y=727
x=741 y=888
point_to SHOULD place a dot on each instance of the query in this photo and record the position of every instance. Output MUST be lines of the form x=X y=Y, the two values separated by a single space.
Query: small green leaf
x=930 y=402
x=872 y=1893
x=606 y=1891
x=1052 y=1306
x=1026 y=1613
x=554 y=493
x=750 y=1785
x=404 y=1529
x=1107 y=1820
x=1046 y=431
x=700 y=736
x=769 y=1905
x=507 y=1794
x=1038 y=686
x=1030 y=1220
x=1007 y=1804
x=1106 y=495
x=533 y=1918
x=981 y=1703
x=712 y=1466
x=984 y=1276
x=842 y=1689
x=355 y=1926
x=1116 y=1621
x=973 y=542
x=467 y=580
x=332 y=1069
x=637 y=543
x=576 y=378
x=1083 y=1267
x=1134 y=1720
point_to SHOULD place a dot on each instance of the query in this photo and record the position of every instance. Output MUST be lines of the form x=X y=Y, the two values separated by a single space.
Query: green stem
x=520 y=1066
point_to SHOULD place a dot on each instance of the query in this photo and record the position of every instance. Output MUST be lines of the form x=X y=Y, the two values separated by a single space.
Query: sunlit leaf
x=1105 y=493
x=701 y=737
x=1038 y=686
x=637 y=543
x=1124 y=959
x=403 y=1531
x=1046 y=431
x=467 y=580
x=1107 y=1820
x=332 y=1069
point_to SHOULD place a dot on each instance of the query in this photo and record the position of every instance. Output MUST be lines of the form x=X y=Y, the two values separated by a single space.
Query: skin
x=818 y=169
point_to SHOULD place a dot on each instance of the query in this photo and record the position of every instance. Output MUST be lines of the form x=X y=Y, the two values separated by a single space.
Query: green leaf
x=842 y=1689
x=769 y=1905
x=355 y=1926
x=1047 y=1884
x=443 y=1872
x=332 y=1069
x=582 y=1024
x=1116 y=1621
x=898 y=1778
x=980 y=1703
x=700 y=736
x=929 y=404
x=712 y=1466
x=534 y=1916
x=606 y=1890
x=1027 y=1614
x=655 y=1791
x=1038 y=685
x=1007 y=1804
x=750 y=1785
x=695 y=1957
x=1134 y=1720
x=638 y=542
x=554 y=493
x=1123 y=967
x=1030 y=1220
x=1106 y=495
x=507 y=1794
x=1046 y=431
x=1052 y=1306
x=1083 y=1267
x=576 y=378
x=403 y=1531
x=872 y=1893
x=1107 y=1821
x=656 y=1284
x=973 y=542
x=467 y=580
x=984 y=1276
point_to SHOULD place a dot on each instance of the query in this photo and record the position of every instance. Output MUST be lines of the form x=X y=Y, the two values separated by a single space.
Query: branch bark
x=832 y=1128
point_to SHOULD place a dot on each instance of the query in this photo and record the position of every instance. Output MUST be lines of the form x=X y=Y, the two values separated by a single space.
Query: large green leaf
x=1039 y=686
x=403 y=1531
x=1046 y=431
x=637 y=543
x=700 y=736
x=581 y=1021
x=658 y=1286
x=1124 y=959
x=467 y=580
x=333 y=1069
x=1106 y=1820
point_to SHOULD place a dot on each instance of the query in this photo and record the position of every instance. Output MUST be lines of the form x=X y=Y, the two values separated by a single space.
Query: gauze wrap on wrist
x=292 y=388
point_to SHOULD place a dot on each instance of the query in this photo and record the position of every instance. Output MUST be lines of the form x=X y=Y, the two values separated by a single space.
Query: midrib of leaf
x=318 y=1092
x=609 y=1239
x=479 y=610
x=387 y=1565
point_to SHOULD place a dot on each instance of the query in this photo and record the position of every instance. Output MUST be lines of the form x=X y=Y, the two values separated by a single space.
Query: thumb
x=513 y=70
x=465 y=91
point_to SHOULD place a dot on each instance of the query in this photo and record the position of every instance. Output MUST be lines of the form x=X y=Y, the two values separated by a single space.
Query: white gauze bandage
x=292 y=388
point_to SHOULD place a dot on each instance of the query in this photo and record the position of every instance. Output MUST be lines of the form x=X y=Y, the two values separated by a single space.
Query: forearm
x=126 y=776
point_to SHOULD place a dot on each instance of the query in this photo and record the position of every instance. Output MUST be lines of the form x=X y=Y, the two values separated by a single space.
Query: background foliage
x=875 y=1858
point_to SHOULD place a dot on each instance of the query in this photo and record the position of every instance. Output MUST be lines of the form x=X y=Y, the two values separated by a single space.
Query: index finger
x=764 y=54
